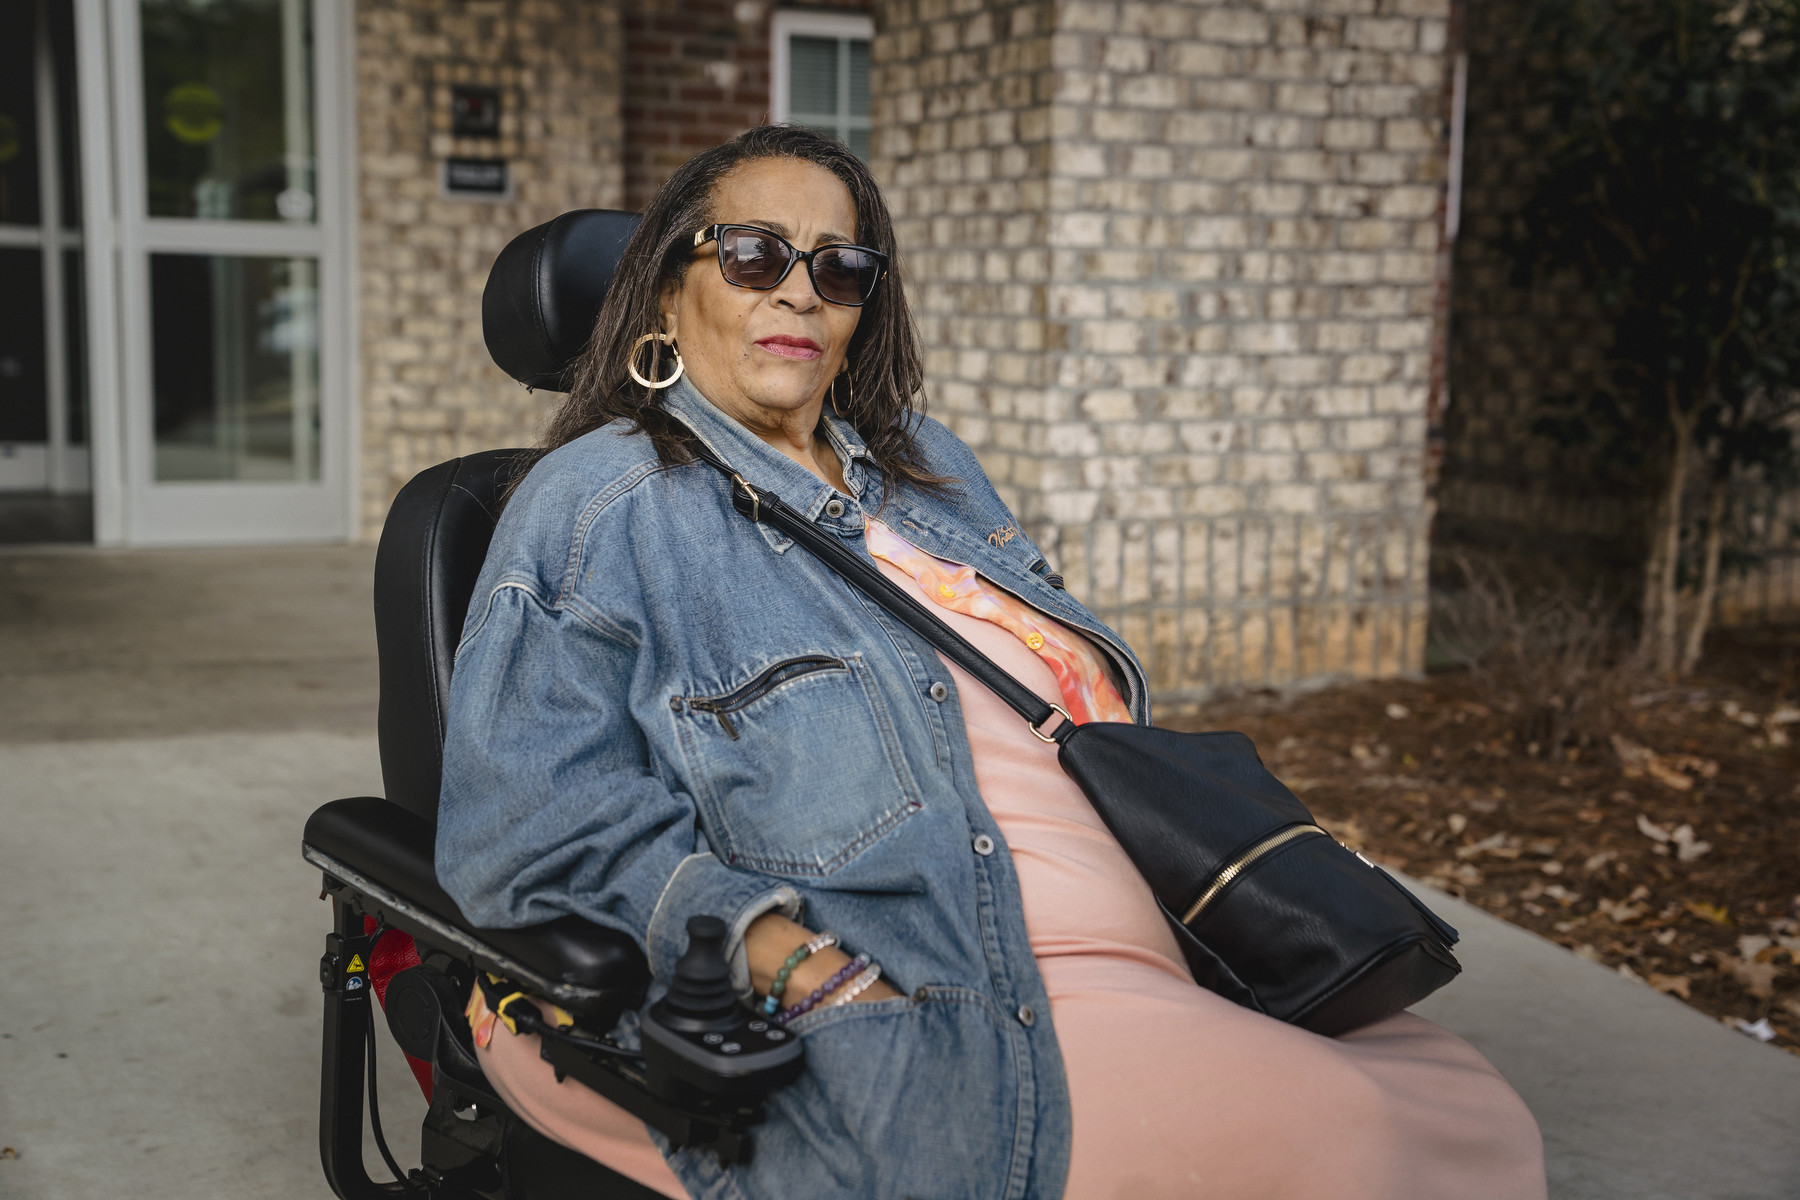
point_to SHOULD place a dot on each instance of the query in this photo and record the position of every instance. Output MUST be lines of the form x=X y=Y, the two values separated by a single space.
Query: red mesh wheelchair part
x=393 y=954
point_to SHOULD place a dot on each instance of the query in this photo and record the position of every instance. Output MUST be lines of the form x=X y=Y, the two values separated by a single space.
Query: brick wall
x=1500 y=486
x=428 y=389
x=696 y=74
x=1174 y=266
x=1769 y=591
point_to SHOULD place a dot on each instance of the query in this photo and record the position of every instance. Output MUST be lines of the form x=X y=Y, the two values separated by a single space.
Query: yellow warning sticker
x=356 y=965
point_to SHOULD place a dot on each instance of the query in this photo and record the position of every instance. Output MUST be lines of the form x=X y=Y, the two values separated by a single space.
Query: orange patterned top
x=1080 y=671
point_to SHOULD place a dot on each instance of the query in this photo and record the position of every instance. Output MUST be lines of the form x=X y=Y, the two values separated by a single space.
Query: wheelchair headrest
x=544 y=292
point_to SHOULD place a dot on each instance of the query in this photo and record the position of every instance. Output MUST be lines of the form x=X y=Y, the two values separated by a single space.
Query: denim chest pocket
x=799 y=768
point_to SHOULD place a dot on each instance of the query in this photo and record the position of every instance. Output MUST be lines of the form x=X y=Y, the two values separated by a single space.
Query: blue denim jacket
x=660 y=709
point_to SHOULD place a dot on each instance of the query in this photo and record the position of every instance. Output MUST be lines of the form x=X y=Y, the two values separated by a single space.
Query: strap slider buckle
x=755 y=513
x=1069 y=722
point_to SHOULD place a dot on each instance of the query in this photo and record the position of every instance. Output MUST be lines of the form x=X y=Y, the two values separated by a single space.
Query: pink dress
x=1173 y=1091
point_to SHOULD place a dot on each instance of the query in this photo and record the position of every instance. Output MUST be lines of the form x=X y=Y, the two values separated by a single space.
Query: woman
x=661 y=709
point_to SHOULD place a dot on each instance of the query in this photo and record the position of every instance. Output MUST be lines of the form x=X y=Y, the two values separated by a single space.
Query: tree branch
x=1709 y=575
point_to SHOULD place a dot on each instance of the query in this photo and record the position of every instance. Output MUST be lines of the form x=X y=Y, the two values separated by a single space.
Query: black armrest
x=384 y=854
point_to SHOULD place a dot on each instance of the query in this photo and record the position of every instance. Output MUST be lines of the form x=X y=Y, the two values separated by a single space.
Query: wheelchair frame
x=462 y=1155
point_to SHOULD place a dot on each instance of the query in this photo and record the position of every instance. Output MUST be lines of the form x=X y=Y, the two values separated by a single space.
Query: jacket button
x=984 y=845
x=1027 y=1018
x=834 y=507
x=939 y=692
x=675 y=705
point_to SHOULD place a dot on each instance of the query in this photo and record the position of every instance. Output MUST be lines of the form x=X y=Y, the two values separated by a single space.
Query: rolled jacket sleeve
x=549 y=803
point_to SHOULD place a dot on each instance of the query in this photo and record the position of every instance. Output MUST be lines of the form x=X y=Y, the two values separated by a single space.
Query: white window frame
x=792 y=22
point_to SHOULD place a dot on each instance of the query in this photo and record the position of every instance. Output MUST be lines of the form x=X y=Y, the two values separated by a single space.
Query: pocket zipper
x=782 y=672
x=1245 y=861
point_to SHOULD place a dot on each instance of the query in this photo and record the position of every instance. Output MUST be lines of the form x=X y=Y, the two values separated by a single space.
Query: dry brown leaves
x=1667 y=852
x=1676 y=771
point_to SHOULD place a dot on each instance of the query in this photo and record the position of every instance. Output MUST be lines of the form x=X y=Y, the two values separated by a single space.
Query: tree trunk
x=1709 y=578
x=1653 y=556
x=1668 y=615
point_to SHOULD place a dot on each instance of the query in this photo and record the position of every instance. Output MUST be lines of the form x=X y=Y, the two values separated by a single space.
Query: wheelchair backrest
x=432 y=547
x=542 y=296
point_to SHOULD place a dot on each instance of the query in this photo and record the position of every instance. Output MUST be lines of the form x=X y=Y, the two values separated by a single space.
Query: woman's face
x=765 y=357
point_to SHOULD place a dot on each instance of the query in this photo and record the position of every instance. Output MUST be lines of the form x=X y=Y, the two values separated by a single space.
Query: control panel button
x=730 y=1048
x=776 y=1035
x=758 y=1026
x=713 y=1039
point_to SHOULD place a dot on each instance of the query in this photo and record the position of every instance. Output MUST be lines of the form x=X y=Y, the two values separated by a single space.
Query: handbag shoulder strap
x=763 y=506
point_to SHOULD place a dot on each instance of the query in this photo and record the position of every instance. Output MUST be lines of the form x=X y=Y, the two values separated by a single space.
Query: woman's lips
x=791 y=347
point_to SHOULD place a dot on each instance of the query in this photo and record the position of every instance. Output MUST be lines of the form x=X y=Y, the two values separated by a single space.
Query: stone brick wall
x=1501 y=486
x=1174 y=267
x=696 y=74
x=1768 y=592
x=428 y=389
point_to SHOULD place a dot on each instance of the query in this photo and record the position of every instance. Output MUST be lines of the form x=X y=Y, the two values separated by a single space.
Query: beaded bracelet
x=863 y=983
x=856 y=967
x=800 y=955
x=821 y=942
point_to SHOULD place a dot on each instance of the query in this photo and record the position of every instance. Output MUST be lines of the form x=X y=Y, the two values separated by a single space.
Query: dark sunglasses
x=756 y=258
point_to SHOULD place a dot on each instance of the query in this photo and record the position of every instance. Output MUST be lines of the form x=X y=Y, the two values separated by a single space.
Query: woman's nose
x=796 y=291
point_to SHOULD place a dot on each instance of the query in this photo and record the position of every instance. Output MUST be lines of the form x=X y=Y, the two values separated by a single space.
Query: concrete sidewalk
x=159 y=1020
x=1638 y=1095
x=160 y=1014
x=98 y=644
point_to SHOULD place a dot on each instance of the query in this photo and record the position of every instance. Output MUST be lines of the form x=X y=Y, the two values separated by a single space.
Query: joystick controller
x=700 y=1044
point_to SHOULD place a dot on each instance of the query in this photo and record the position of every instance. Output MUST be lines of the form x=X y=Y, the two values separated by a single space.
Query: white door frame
x=55 y=466
x=99 y=227
x=130 y=507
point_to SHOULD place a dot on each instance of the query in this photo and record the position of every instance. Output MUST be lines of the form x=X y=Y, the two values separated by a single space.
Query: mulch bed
x=1668 y=847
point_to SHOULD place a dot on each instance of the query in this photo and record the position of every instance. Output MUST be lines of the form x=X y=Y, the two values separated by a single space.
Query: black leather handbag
x=1269 y=909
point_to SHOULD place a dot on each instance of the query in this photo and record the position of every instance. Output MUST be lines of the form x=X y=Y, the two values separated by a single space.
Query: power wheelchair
x=396 y=933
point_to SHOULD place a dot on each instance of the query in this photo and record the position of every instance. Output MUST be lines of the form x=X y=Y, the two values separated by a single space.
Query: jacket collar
x=765 y=467
x=761 y=464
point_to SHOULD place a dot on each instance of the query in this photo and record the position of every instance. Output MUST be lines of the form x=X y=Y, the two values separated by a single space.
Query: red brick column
x=696 y=74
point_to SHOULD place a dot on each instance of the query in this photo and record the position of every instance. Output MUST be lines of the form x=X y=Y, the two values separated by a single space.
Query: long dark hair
x=884 y=359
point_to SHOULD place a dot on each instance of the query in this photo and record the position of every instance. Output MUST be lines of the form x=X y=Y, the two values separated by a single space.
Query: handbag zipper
x=788 y=669
x=1244 y=861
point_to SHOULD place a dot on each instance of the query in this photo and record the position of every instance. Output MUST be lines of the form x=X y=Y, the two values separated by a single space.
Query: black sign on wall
x=474 y=111
x=477 y=178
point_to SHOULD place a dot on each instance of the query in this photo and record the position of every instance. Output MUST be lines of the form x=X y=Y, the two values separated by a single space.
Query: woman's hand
x=768 y=942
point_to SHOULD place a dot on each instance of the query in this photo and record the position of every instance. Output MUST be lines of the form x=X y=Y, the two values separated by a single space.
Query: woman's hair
x=884 y=359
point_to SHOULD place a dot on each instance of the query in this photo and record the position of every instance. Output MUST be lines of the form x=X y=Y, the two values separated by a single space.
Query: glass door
x=43 y=452
x=231 y=242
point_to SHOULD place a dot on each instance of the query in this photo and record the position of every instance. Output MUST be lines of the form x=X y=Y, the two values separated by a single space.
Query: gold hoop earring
x=662 y=339
x=848 y=408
